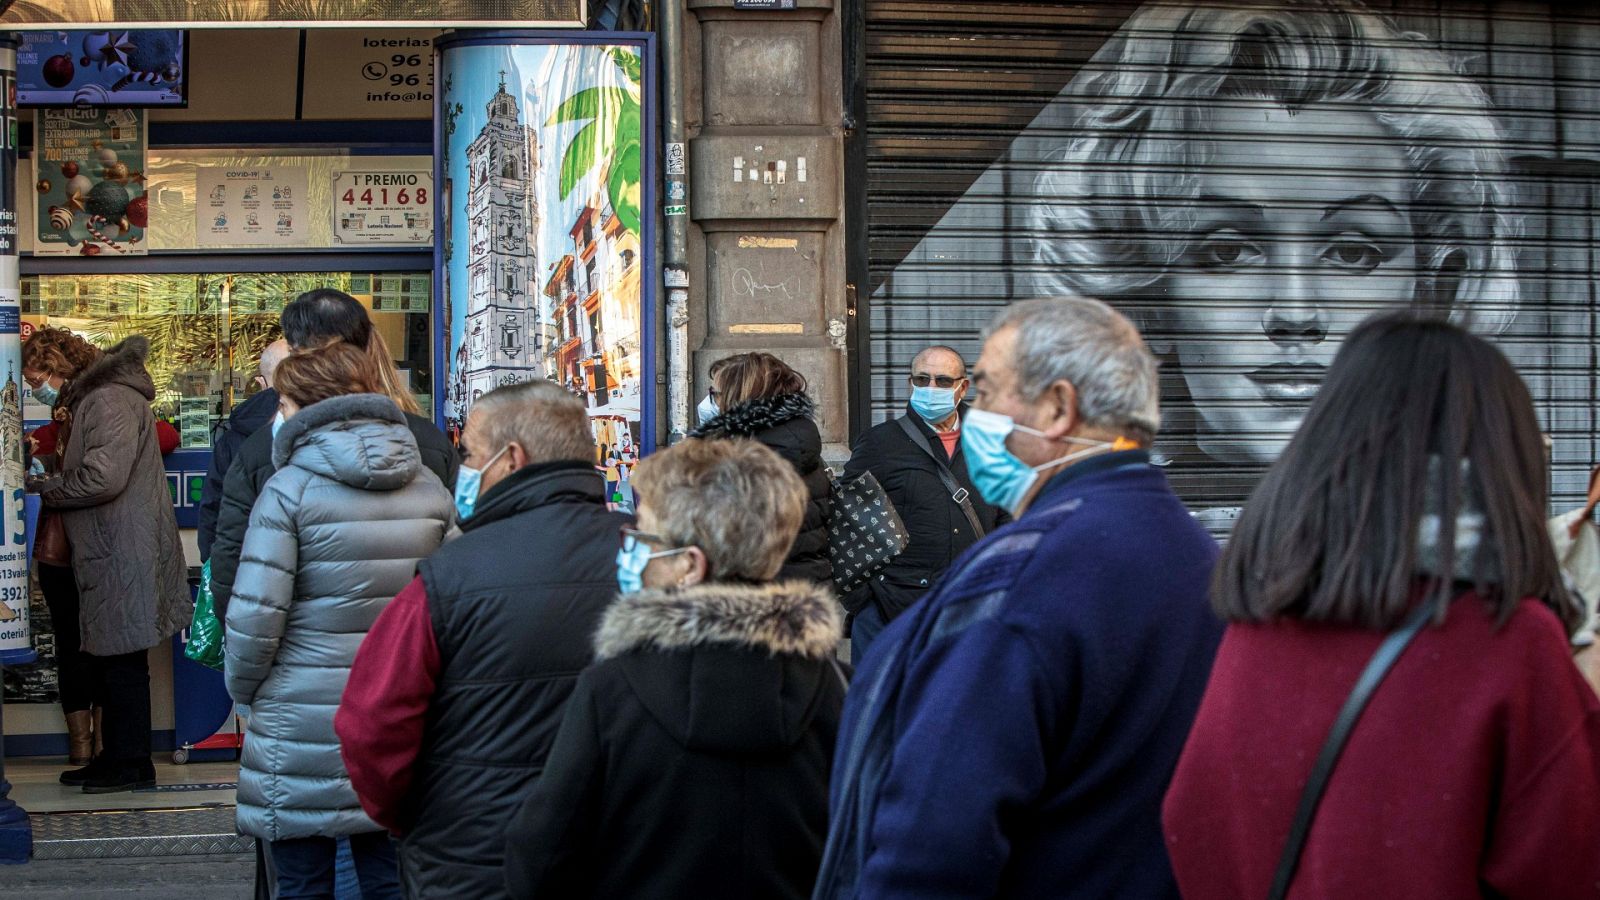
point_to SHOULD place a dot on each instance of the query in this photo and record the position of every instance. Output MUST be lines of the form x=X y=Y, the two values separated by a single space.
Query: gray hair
x=735 y=499
x=549 y=422
x=1096 y=348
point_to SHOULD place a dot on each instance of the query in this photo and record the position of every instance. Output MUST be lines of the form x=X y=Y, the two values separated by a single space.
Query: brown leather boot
x=80 y=738
x=99 y=737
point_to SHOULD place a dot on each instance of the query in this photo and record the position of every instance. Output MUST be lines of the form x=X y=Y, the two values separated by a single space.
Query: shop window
x=207 y=332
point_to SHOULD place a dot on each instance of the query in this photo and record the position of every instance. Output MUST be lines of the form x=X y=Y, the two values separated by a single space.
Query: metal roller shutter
x=1018 y=148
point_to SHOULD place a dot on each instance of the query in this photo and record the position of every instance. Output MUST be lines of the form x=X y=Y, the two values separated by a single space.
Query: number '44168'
x=402 y=197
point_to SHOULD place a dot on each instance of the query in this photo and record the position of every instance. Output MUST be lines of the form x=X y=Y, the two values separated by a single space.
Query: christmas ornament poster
x=90 y=172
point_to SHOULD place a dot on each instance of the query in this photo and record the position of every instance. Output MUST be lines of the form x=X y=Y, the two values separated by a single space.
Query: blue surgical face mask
x=47 y=394
x=468 y=481
x=277 y=424
x=707 y=410
x=1000 y=477
x=933 y=404
x=632 y=559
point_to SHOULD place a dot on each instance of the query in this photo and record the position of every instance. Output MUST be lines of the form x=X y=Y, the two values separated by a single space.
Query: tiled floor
x=35 y=788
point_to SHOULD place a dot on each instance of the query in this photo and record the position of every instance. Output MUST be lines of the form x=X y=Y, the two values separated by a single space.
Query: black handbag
x=865 y=533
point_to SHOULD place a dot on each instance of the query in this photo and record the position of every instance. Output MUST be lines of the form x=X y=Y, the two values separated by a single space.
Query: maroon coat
x=1475 y=769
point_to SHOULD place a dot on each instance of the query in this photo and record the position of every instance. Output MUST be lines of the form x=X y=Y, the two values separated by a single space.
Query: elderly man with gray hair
x=1015 y=732
x=457 y=691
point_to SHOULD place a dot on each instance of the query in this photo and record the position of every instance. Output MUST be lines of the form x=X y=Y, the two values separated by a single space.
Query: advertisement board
x=545 y=240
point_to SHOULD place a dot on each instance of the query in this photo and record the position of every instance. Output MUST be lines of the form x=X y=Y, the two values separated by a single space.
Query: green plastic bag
x=205 y=632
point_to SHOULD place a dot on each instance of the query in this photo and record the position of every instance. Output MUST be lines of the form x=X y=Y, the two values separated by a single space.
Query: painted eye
x=1224 y=250
x=1360 y=256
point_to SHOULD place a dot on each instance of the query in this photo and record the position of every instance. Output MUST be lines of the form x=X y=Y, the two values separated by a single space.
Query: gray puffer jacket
x=335 y=534
x=112 y=496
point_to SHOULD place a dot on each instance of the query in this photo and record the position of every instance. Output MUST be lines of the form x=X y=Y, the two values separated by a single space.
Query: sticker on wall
x=90 y=186
x=388 y=208
x=251 y=207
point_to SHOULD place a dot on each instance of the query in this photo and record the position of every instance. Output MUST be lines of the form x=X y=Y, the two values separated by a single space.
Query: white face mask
x=707 y=410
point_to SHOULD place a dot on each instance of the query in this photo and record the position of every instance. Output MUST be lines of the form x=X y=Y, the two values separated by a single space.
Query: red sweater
x=1475 y=769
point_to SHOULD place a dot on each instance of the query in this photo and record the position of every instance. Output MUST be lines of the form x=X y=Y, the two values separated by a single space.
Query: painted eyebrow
x=1255 y=209
x=1363 y=199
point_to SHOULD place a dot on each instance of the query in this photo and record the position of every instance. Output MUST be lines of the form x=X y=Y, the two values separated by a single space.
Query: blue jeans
x=306 y=867
x=346 y=883
x=864 y=629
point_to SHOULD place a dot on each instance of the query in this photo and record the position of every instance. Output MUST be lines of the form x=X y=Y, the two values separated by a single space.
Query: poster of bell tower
x=545 y=265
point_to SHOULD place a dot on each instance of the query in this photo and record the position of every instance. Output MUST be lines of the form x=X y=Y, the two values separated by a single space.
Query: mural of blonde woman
x=1248 y=182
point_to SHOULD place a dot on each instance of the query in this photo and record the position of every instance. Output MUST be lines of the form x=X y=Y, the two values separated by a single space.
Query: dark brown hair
x=333 y=370
x=1331 y=532
x=57 y=351
x=755 y=376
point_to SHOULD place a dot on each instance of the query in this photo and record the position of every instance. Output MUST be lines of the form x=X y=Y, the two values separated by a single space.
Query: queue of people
x=1062 y=688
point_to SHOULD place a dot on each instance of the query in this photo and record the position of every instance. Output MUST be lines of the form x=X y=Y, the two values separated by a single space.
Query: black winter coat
x=694 y=756
x=246 y=419
x=938 y=529
x=785 y=424
x=248 y=474
x=514 y=603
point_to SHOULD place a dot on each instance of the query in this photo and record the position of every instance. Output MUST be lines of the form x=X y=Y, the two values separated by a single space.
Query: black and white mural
x=1247 y=181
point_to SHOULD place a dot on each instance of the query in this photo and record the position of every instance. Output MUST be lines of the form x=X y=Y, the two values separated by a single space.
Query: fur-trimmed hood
x=752 y=417
x=786 y=617
x=122 y=364
x=726 y=668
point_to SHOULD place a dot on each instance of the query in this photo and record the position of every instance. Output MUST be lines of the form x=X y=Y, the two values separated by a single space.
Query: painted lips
x=1289 y=384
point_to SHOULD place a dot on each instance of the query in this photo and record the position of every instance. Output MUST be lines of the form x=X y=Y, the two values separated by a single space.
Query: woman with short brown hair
x=761 y=397
x=335 y=535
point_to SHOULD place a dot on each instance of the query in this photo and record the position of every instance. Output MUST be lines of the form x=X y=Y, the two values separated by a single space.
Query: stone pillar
x=16 y=834
x=763 y=105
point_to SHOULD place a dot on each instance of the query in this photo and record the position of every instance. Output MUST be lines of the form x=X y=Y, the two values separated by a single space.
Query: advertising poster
x=91 y=182
x=251 y=207
x=122 y=67
x=389 y=208
x=16 y=640
x=541 y=238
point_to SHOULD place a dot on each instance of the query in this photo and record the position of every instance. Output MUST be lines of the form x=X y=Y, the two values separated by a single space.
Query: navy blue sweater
x=1013 y=734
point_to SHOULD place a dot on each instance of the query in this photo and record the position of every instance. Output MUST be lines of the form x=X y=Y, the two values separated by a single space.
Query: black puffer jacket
x=785 y=424
x=246 y=419
x=693 y=758
x=248 y=474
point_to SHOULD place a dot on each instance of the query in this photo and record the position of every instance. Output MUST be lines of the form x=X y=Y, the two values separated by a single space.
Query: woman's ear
x=696 y=568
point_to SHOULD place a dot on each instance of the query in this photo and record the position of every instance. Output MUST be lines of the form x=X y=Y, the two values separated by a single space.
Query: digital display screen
x=115 y=67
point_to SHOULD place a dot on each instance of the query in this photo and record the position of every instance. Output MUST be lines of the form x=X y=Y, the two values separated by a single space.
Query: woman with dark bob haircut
x=1416 y=485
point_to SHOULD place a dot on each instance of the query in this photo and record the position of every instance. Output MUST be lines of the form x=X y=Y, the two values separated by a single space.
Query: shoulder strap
x=838 y=671
x=959 y=494
x=1378 y=667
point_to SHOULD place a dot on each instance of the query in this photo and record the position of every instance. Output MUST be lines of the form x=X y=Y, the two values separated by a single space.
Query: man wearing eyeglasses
x=456 y=693
x=917 y=458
